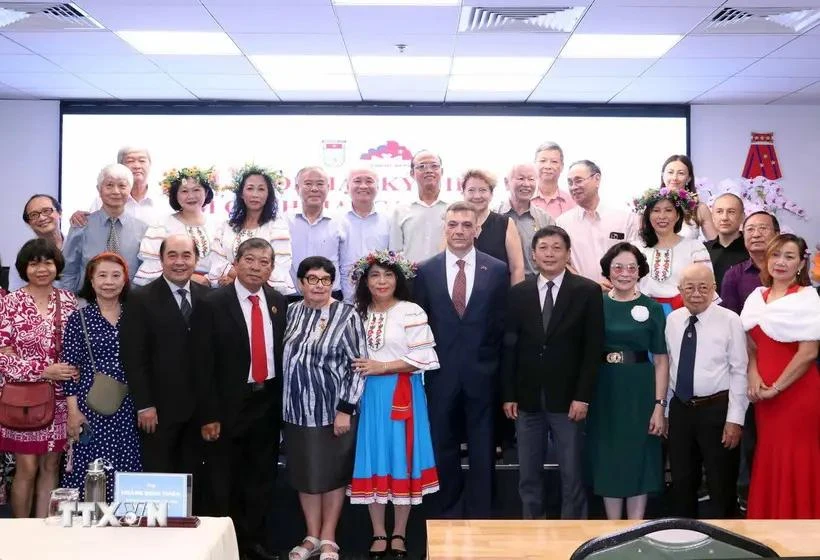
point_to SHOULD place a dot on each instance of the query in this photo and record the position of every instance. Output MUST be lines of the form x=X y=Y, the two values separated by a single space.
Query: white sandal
x=329 y=555
x=302 y=553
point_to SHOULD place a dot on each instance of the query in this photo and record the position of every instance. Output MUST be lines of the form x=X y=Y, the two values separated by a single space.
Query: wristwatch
x=663 y=402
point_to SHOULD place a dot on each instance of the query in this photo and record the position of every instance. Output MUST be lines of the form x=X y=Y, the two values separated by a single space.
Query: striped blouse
x=319 y=380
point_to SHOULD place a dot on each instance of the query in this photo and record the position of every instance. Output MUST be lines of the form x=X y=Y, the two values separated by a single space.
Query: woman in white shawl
x=782 y=319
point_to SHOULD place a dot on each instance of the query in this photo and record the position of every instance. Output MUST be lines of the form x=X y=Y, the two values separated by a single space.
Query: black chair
x=638 y=542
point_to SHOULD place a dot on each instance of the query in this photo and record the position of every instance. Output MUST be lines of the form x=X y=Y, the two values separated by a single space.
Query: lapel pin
x=483 y=267
x=273 y=309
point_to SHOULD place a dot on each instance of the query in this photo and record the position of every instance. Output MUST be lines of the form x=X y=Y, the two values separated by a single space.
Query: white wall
x=29 y=163
x=720 y=137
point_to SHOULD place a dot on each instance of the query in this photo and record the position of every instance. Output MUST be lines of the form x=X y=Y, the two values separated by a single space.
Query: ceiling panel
x=661 y=3
x=133 y=17
x=236 y=95
x=579 y=67
x=286 y=43
x=385 y=45
x=784 y=67
x=65 y=93
x=402 y=20
x=487 y=96
x=727 y=46
x=682 y=67
x=330 y=96
x=569 y=97
x=26 y=63
x=7 y=46
x=240 y=4
x=62 y=80
x=407 y=96
x=807 y=46
x=130 y=81
x=63 y=42
x=688 y=83
x=402 y=83
x=637 y=94
x=644 y=20
x=204 y=64
x=221 y=81
x=264 y=18
x=786 y=85
x=104 y=64
x=152 y=3
x=600 y=84
x=510 y=44
x=737 y=98
x=166 y=94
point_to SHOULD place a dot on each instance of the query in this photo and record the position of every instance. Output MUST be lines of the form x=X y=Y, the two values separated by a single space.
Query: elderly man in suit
x=553 y=342
x=238 y=331
x=463 y=292
x=156 y=355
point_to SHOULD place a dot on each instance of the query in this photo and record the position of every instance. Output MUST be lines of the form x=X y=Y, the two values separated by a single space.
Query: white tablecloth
x=33 y=539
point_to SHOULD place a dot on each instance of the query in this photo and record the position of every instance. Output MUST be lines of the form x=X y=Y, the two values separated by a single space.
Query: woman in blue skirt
x=394 y=453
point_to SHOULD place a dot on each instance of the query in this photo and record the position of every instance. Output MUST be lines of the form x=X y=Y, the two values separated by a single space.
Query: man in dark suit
x=238 y=332
x=553 y=343
x=463 y=292
x=156 y=354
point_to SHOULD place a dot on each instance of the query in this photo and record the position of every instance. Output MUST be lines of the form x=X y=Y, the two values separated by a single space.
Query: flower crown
x=251 y=168
x=681 y=198
x=205 y=177
x=383 y=257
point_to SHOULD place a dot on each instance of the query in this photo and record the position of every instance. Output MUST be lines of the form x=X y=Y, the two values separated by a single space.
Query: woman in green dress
x=626 y=417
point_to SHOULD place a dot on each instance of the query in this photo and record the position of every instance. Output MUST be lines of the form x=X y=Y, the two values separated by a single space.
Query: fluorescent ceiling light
x=401 y=65
x=589 y=45
x=493 y=82
x=311 y=82
x=307 y=64
x=501 y=65
x=180 y=42
x=397 y=2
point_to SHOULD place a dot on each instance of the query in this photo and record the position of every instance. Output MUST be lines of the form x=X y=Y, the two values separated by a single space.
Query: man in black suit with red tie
x=463 y=292
x=553 y=343
x=156 y=355
x=238 y=332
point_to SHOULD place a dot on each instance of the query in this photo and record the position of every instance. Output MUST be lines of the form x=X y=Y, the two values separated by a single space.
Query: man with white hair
x=363 y=228
x=139 y=203
x=109 y=229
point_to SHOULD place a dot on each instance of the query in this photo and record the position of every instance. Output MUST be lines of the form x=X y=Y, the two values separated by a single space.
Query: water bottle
x=95 y=485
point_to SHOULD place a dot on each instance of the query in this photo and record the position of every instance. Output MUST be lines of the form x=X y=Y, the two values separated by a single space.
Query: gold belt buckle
x=615 y=358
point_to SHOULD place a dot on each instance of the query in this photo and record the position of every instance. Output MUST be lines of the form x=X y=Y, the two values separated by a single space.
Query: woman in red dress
x=782 y=319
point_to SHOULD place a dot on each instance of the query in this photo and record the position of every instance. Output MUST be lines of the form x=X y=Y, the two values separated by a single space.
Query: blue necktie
x=685 y=383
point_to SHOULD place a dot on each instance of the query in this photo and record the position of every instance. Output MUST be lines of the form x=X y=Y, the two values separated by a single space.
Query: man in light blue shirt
x=363 y=228
x=108 y=229
x=312 y=233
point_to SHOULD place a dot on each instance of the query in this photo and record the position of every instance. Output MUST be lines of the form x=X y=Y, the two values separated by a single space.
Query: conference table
x=505 y=539
x=34 y=539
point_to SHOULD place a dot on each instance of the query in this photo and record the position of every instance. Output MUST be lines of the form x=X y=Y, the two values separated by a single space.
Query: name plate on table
x=174 y=489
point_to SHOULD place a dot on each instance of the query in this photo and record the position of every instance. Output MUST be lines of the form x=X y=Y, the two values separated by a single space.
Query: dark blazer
x=564 y=361
x=156 y=350
x=471 y=342
x=223 y=353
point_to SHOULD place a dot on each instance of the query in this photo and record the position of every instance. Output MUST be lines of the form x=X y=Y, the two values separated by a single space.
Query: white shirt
x=542 y=288
x=242 y=294
x=594 y=233
x=720 y=358
x=177 y=297
x=146 y=210
x=452 y=269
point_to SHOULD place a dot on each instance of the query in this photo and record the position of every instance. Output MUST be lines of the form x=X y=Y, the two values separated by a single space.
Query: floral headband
x=383 y=257
x=251 y=168
x=205 y=177
x=681 y=198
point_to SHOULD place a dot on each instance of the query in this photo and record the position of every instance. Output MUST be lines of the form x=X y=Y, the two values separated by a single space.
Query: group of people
x=379 y=345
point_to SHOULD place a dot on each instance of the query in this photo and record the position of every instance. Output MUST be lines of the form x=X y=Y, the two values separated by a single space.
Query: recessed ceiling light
x=301 y=65
x=397 y=2
x=311 y=82
x=180 y=42
x=496 y=82
x=589 y=45
x=501 y=65
x=401 y=65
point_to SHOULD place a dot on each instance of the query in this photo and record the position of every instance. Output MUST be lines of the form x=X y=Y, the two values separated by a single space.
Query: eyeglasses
x=578 y=180
x=690 y=289
x=45 y=212
x=426 y=166
x=751 y=230
x=313 y=280
x=621 y=268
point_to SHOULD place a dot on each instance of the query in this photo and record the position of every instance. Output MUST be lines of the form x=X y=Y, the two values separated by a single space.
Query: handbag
x=28 y=406
x=106 y=394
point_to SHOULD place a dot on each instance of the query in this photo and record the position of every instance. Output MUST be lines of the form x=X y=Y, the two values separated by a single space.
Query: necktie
x=259 y=356
x=685 y=383
x=184 y=306
x=460 y=289
x=546 y=311
x=112 y=245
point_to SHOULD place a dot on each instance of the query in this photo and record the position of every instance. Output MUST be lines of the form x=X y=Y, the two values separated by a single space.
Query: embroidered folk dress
x=151 y=267
x=31 y=337
x=665 y=268
x=394 y=452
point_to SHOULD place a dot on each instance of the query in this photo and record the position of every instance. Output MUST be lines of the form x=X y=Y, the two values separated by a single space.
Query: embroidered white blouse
x=666 y=265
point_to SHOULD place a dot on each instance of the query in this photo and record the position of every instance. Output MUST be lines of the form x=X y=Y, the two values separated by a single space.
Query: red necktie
x=259 y=356
x=460 y=289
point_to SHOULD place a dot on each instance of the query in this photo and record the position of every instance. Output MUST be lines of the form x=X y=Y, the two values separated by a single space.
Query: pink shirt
x=554 y=205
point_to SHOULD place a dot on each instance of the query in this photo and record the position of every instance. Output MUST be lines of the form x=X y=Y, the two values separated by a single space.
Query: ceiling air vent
x=760 y=20
x=475 y=19
x=39 y=16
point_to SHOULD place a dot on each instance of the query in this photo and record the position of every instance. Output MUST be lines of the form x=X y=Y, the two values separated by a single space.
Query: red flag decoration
x=762 y=159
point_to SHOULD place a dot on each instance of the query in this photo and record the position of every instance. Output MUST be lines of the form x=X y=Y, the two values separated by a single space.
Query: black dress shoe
x=398 y=554
x=377 y=554
x=258 y=552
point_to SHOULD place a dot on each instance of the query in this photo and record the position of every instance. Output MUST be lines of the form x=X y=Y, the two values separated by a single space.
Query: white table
x=33 y=539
